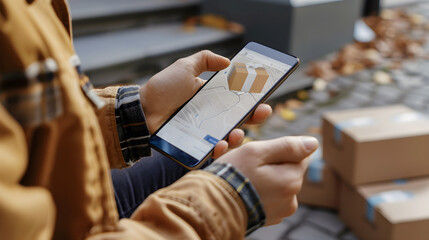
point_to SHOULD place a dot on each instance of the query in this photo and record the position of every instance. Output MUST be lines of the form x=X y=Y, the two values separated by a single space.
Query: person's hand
x=165 y=92
x=276 y=169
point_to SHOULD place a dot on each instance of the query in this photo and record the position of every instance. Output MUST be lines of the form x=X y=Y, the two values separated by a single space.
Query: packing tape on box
x=409 y=117
x=251 y=76
x=400 y=181
x=354 y=122
x=315 y=169
x=385 y=197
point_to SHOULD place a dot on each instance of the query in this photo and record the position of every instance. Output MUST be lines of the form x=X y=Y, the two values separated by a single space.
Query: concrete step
x=93 y=16
x=129 y=54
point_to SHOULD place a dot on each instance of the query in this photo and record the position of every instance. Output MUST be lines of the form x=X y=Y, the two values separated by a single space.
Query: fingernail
x=310 y=143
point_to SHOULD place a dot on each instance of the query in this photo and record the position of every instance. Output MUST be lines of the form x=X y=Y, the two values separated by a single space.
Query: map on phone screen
x=222 y=102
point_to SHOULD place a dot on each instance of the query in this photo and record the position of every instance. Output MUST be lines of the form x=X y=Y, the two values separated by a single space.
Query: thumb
x=289 y=149
x=208 y=61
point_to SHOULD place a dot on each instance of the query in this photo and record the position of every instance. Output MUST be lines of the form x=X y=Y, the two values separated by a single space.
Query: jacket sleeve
x=216 y=203
x=199 y=206
x=123 y=123
x=25 y=212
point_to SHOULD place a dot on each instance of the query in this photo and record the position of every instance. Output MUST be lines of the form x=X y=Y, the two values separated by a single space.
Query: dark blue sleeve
x=134 y=184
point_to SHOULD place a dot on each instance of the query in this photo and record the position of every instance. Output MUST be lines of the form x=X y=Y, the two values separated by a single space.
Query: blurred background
x=356 y=55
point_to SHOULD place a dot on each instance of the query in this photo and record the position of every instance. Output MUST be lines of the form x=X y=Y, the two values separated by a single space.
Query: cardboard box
x=260 y=80
x=321 y=185
x=395 y=210
x=247 y=78
x=376 y=144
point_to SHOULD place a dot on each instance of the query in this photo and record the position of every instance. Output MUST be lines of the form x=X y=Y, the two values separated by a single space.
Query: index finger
x=261 y=113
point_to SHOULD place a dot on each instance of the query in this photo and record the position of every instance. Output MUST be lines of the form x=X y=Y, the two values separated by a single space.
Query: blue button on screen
x=211 y=139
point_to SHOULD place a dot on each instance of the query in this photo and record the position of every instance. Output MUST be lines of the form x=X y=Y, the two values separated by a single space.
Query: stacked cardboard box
x=382 y=158
x=247 y=78
x=376 y=144
x=321 y=185
x=396 y=210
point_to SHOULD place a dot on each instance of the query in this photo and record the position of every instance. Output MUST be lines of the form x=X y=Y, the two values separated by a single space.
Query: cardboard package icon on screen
x=245 y=78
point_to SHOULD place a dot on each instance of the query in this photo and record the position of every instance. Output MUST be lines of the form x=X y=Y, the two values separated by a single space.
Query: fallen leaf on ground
x=382 y=78
x=319 y=85
x=314 y=130
x=417 y=19
x=323 y=70
x=395 y=65
x=288 y=114
x=214 y=21
x=293 y=104
x=388 y=14
x=302 y=95
x=399 y=36
x=371 y=57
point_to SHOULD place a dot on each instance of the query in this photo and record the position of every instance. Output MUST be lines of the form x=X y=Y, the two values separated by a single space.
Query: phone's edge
x=177 y=161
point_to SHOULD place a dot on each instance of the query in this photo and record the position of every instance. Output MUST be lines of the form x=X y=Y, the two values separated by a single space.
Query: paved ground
x=410 y=86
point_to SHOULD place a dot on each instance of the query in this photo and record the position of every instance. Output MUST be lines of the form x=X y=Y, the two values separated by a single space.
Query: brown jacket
x=56 y=148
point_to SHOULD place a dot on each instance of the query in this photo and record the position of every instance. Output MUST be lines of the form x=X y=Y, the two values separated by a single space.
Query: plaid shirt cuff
x=131 y=125
x=254 y=208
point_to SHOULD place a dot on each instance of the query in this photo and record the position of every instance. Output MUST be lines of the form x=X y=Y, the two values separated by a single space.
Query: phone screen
x=222 y=103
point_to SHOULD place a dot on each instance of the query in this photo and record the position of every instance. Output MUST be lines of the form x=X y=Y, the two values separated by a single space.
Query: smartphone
x=223 y=103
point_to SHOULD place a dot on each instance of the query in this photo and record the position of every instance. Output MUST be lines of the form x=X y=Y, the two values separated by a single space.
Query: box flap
x=379 y=123
x=413 y=208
